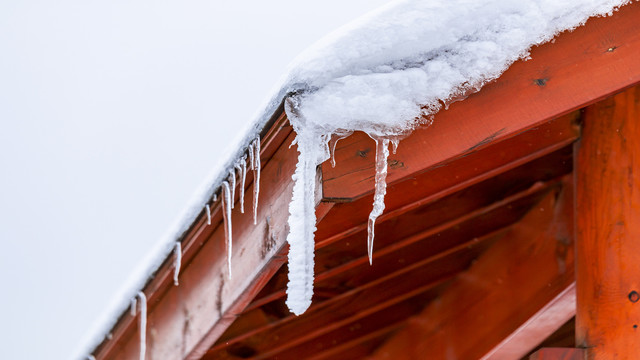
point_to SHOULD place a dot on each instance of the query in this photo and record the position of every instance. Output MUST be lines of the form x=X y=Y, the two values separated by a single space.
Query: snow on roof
x=382 y=74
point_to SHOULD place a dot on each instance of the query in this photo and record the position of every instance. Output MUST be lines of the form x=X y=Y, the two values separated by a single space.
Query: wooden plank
x=544 y=323
x=608 y=228
x=602 y=56
x=506 y=286
x=558 y=354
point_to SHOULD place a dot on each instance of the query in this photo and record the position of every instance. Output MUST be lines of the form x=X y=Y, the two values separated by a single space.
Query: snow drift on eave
x=391 y=71
x=381 y=74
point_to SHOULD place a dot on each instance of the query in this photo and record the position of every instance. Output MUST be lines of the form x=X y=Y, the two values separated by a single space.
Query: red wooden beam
x=579 y=68
x=507 y=287
x=544 y=323
x=608 y=229
x=558 y=354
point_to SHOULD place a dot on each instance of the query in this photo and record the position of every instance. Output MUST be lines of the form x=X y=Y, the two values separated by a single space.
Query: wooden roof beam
x=504 y=289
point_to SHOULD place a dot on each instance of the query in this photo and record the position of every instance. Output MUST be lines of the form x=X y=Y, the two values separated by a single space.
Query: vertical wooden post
x=608 y=229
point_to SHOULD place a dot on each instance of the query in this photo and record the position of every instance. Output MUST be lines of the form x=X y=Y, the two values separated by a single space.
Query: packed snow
x=384 y=74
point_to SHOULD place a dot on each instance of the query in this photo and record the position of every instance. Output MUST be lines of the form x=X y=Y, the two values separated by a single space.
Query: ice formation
x=226 y=215
x=232 y=186
x=177 y=260
x=241 y=167
x=208 y=210
x=91 y=357
x=143 y=321
x=389 y=73
x=382 y=153
x=254 y=156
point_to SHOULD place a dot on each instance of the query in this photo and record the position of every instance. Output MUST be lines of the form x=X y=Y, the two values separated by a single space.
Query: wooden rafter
x=508 y=285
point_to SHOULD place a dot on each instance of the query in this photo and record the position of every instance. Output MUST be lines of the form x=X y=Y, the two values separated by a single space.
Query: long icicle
x=256 y=178
x=143 y=324
x=226 y=214
x=177 y=262
x=208 y=209
x=382 y=153
x=302 y=226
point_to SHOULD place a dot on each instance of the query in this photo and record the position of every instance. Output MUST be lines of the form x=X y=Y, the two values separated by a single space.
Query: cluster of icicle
x=315 y=146
x=228 y=189
x=237 y=176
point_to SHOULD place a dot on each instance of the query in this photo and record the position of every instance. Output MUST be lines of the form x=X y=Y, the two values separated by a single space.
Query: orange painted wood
x=508 y=285
x=353 y=305
x=544 y=323
x=608 y=228
x=397 y=248
x=184 y=321
x=580 y=67
x=558 y=354
x=461 y=173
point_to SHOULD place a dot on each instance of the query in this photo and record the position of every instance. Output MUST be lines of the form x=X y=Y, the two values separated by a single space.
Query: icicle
x=250 y=151
x=394 y=143
x=242 y=168
x=177 y=261
x=208 y=208
x=382 y=153
x=132 y=309
x=226 y=214
x=232 y=186
x=143 y=324
x=339 y=136
x=255 y=165
x=143 y=320
x=91 y=357
x=302 y=221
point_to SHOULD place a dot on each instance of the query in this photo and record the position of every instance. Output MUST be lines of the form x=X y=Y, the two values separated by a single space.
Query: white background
x=111 y=115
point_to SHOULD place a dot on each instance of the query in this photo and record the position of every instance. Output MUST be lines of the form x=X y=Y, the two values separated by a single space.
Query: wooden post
x=608 y=229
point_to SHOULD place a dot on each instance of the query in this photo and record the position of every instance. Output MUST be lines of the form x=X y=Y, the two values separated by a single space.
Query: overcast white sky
x=111 y=114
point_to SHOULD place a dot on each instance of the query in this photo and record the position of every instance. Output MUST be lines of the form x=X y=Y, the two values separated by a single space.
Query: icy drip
x=334 y=141
x=382 y=153
x=232 y=186
x=177 y=262
x=226 y=214
x=242 y=169
x=302 y=226
x=91 y=357
x=255 y=166
x=143 y=321
x=394 y=143
x=132 y=308
x=208 y=208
